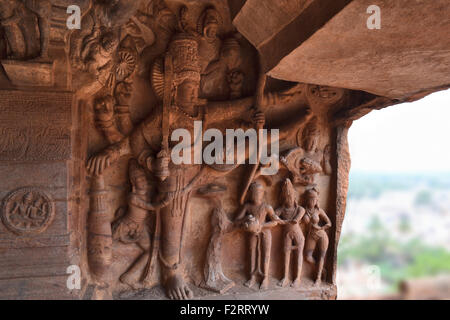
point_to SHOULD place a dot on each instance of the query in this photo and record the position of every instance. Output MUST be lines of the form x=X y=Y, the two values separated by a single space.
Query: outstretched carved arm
x=300 y=212
x=98 y=163
x=274 y=220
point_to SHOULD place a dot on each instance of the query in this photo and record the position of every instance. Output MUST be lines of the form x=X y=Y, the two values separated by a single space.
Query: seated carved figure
x=133 y=226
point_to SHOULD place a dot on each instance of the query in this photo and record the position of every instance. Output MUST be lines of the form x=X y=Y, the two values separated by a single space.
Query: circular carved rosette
x=27 y=211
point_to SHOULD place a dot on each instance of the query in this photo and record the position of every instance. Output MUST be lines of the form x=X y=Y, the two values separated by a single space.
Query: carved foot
x=250 y=283
x=318 y=282
x=264 y=284
x=296 y=283
x=131 y=281
x=177 y=289
x=283 y=282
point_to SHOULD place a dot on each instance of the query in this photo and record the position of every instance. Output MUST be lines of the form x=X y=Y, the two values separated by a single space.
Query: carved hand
x=98 y=163
x=259 y=119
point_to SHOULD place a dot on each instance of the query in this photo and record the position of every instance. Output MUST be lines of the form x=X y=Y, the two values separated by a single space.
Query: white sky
x=410 y=137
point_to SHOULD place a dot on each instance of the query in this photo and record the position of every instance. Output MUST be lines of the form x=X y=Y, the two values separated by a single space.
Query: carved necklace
x=310 y=212
x=180 y=110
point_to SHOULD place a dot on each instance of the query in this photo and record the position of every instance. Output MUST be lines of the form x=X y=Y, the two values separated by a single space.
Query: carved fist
x=259 y=119
x=99 y=163
x=309 y=112
x=160 y=165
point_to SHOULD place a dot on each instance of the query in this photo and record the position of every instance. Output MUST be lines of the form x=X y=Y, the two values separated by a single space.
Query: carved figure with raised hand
x=293 y=239
x=317 y=223
x=133 y=226
x=253 y=218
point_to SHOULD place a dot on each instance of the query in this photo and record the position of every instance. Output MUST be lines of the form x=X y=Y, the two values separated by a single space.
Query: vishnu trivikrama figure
x=181 y=107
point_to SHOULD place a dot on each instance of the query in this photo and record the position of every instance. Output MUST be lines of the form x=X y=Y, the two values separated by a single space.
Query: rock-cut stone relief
x=197 y=75
x=141 y=71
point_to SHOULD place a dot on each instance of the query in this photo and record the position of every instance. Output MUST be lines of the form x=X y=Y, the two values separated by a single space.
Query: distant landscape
x=396 y=227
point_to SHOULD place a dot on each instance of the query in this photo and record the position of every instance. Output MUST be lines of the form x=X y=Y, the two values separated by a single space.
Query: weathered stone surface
x=408 y=55
x=89 y=171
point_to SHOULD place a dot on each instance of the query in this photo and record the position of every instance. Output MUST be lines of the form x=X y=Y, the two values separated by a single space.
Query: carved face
x=141 y=183
x=210 y=31
x=232 y=57
x=311 y=142
x=211 y=24
x=104 y=109
x=187 y=93
x=257 y=194
x=312 y=201
x=28 y=198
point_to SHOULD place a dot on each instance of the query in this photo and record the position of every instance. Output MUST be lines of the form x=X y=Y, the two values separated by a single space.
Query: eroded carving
x=253 y=218
x=28 y=211
x=215 y=279
x=317 y=223
x=293 y=239
x=307 y=161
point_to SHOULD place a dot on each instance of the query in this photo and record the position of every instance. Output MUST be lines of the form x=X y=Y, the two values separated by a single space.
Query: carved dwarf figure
x=133 y=226
x=293 y=240
x=317 y=223
x=253 y=218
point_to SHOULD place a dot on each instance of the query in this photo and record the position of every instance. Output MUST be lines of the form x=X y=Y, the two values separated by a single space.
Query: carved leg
x=172 y=218
x=132 y=276
x=299 y=251
x=266 y=247
x=253 y=260
x=323 y=245
x=310 y=246
x=287 y=258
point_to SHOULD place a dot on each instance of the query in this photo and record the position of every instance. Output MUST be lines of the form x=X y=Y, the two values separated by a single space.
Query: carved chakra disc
x=27 y=211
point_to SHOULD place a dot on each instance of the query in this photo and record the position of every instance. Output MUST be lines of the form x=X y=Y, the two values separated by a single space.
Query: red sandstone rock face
x=408 y=55
x=85 y=127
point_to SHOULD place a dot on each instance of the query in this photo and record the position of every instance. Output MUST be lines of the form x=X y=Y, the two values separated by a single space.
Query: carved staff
x=162 y=173
x=259 y=101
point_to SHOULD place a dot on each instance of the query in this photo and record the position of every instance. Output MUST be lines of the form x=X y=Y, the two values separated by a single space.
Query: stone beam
x=276 y=29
